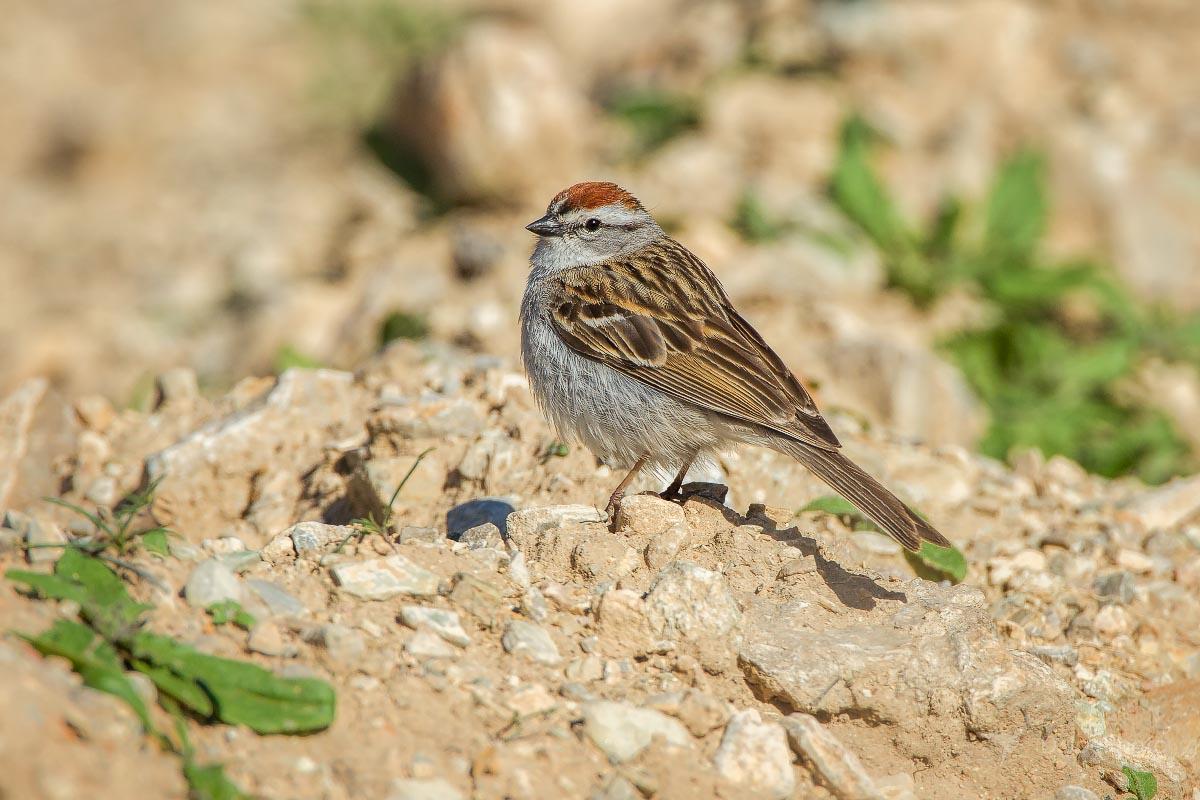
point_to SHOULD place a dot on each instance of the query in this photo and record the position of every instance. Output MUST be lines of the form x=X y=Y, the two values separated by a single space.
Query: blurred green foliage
x=368 y=45
x=1061 y=339
x=402 y=325
x=753 y=221
x=288 y=357
x=655 y=116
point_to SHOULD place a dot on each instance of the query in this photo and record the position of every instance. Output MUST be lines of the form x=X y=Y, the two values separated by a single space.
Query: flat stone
x=442 y=622
x=311 y=538
x=212 y=582
x=382 y=578
x=427 y=644
x=935 y=658
x=42 y=535
x=837 y=767
x=532 y=641
x=622 y=628
x=267 y=638
x=1115 y=587
x=423 y=789
x=476 y=512
x=649 y=514
x=485 y=535
x=278 y=600
x=666 y=546
x=754 y=754
x=412 y=533
x=1075 y=793
x=523 y=526
x=1109 y=754
x=1167 y=506
x=621 y=731
x=688 y=603
x=343 y=643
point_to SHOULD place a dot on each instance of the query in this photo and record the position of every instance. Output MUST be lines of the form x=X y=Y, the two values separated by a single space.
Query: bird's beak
x=546 y=226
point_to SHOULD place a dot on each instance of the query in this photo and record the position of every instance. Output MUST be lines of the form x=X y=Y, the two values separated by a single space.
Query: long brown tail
x=867 y=494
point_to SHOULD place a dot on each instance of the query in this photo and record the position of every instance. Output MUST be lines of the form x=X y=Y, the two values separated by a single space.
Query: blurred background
x=973 y=222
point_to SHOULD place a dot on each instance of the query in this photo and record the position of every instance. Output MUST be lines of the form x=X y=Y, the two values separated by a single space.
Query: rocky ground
x=499 y=641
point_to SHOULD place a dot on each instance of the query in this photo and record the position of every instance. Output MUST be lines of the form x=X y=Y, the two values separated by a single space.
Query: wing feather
x=661 y=317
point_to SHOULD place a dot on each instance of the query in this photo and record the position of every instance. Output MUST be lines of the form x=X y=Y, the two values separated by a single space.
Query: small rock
x=239 y=561
x=467 y=515
x=1075 y=793
x=442 y=622
x=343 y=643
x=267 y=638
x=427 y=644
x=381 y=578
x=835 y=764
x=96 y=412
x=423 y=789
x=622 y=731
x=1109 y=754
x=666 y=546
x=1089 y=718
x=102 y=491
x=619 y=788
x=176 y=385
x=1112 y=621
x=755 y=754
x=690 y=602
x=698 y=711
x=41 y=535
x=1115 y=587
x=649 y=514
x=530 y=699
x=411 y=533
x=1167 y=506
x=481 y=599
x=309 y=539
x=604 y=558
x=524 y=526
x=1135 y=561
x=534 y=606
x=278 y=600
x=485 y=535
x=531 y=641
x=873 y=542
x=622 y=627
x=211 y=582
x=1056 y=654
x=585 y=670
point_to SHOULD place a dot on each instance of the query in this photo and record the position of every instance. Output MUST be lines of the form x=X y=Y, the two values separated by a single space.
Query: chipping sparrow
x=632 y=347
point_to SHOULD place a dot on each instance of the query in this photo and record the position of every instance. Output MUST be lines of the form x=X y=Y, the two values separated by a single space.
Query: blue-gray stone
x=467 y=515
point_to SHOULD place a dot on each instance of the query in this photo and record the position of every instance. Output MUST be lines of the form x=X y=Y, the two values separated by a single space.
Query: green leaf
x=288 y=357
x=228 y=611
x=1016 y=211
x=209 y=782
x=156 y=542
x=938 y=563
x=655 y=116
x=100 y=592
x=1143 y=785
x=242 y=693
x=94 y=659
x=832 y=504
x=184 y=691
x=402 y=325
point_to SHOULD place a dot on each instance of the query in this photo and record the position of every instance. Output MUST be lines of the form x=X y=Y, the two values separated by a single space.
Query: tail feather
x=867 y=494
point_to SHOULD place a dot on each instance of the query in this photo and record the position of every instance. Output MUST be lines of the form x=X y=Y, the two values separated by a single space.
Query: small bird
x=632 y=346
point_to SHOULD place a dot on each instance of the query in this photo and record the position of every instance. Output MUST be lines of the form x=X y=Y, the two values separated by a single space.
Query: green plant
x=1142 y=785
x=371 y=525
x=931 y=562
x=227 y=611
x=653 y=115
x=402 y=325
x=115 y=529
x=108 y=638
x=752 y=220
x=1060 y=340
x=288 y=357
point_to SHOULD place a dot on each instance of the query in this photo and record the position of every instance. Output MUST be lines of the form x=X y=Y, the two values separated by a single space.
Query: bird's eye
x=592 y=224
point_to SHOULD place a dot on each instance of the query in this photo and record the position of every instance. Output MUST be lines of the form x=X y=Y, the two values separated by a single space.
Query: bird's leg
x=614 y=502
x=672 y=491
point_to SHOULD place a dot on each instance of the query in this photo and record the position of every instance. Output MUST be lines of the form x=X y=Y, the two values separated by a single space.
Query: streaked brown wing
x=660 y=316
